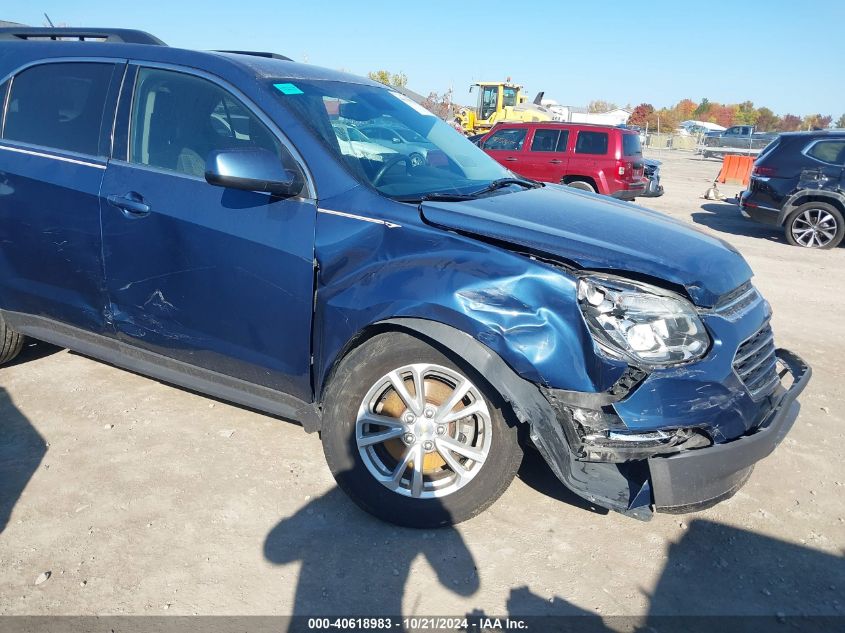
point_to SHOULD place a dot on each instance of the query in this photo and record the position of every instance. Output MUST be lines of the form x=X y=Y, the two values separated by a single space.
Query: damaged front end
x=679 y=437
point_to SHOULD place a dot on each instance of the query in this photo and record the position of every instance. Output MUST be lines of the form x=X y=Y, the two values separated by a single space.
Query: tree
x=685 y=109
x=723 y=115
x=767 y=121
x=816 y=122
x=601 y=106
x=665 y=120
x=396 y=80
x=746 y=113
x=440 y=105
x=840 y=122
x=641 y=114
x=790 y=123
x=702 y=110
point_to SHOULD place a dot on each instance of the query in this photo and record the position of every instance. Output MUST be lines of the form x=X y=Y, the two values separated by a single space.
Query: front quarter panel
x=371 y=271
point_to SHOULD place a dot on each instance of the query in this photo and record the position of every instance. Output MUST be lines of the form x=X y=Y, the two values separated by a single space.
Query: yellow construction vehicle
x=499 y=102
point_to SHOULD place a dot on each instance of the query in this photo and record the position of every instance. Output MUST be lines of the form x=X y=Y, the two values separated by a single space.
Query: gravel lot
x=142 y=498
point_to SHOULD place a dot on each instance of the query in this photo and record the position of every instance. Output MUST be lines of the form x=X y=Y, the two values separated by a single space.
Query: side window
x=509 y=97
x=829 y=152
x=178 y=119
x=591 y=143
x=562 y=141
x=488 y=101
x=544 y=140
x=508 y=140
x=59 y=105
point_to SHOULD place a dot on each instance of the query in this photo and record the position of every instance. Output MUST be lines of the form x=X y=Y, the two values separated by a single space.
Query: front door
x=215 y=277
x=506 y=146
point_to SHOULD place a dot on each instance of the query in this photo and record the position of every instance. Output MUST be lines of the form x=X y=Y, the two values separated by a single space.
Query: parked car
x=424 y=321
x=652 y=171
x=354 y=143
x=797 y=183
x=596 y=158
x=736 y=139
x=400 y=139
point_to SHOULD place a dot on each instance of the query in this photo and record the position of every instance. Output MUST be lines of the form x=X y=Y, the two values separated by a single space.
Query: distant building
x=572 y=114
x=691 y=126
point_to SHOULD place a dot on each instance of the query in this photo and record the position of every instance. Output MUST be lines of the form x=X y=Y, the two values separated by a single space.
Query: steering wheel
x=390 y=162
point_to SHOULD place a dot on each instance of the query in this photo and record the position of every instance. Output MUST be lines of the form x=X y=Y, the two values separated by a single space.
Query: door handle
x=132 y=204
x=511 y=159
x=555 y=161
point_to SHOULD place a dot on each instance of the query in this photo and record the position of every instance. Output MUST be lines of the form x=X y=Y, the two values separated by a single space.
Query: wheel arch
x=808 y=195
x=588 y=179
x=522 y=396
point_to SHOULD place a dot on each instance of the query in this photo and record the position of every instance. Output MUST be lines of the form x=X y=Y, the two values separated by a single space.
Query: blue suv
x=193 y=216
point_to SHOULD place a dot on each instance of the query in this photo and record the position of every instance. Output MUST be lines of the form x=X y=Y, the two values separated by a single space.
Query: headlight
x=628 y=319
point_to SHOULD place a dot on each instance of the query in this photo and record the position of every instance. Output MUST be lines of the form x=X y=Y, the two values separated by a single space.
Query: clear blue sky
x=779 y=53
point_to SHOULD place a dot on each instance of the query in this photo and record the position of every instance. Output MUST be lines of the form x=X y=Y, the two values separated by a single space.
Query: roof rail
x=259 y=54
x=124 y=36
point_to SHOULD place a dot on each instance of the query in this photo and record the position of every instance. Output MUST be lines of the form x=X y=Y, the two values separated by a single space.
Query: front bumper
x=698 y=479
x=687 y=479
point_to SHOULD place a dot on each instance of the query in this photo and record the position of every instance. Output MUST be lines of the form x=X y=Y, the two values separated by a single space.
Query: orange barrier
x=736 y=170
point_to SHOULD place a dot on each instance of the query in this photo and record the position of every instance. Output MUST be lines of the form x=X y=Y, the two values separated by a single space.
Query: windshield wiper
x=437 y=196
x=505 y=182
x=445 y=196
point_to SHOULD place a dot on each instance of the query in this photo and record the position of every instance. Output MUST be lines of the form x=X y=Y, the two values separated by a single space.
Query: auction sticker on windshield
x=287 y=89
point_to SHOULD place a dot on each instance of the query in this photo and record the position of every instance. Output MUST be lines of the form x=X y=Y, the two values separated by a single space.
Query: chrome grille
x=756 y=364
x=734 y=304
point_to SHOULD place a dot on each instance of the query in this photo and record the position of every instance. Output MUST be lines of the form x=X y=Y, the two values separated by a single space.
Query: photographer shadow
x=21 y=450
x=352 y=564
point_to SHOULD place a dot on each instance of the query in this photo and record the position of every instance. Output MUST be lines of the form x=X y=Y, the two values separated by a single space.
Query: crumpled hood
x=600 y=233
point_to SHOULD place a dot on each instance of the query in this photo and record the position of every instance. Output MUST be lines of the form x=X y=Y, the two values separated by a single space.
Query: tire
x=417 y=160
x=361 y=387
x=815 y=225
x=582 y=185
x=11 y=343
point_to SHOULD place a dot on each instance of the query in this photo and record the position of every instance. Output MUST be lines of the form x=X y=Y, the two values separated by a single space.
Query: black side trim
x=167 y=369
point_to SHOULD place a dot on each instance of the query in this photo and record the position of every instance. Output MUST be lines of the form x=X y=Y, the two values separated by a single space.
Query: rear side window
x=591 y=143
x=509 y=140
x=178 y=119
x=769 y=149
x=59 y=105
x=829 y=151
x=631 y=145
x=562 y=141
x=544 y=140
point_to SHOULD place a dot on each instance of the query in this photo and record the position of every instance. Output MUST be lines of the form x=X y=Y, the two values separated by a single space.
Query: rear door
x=218 y=278
x=55 y=139
x=590 y=157
x=546 y=158
x=506 y=145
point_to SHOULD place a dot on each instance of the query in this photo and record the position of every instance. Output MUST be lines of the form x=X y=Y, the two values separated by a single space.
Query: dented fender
x=523 y=310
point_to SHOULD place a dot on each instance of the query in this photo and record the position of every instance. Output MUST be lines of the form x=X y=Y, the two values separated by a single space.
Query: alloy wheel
x=814 y=228
x=423 y=430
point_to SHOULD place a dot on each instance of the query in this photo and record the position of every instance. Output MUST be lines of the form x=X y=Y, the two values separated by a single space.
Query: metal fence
x=672 y=141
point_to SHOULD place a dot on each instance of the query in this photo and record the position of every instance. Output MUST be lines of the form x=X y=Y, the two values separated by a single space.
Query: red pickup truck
x=597 y=158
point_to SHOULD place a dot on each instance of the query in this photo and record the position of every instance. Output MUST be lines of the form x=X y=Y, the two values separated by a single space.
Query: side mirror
x=252 y=169
x=397 y=140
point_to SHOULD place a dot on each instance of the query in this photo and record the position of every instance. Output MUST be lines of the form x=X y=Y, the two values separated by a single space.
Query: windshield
x=449 y=164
